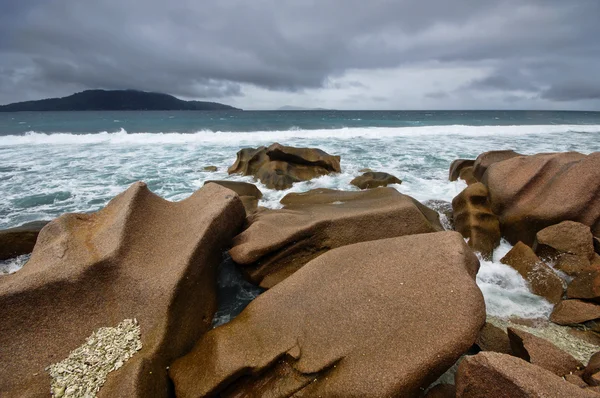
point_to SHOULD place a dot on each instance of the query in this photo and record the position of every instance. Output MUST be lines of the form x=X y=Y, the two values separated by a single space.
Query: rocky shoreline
x=367 y=293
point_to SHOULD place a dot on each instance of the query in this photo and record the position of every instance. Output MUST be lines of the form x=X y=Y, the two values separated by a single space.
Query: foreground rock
x=490 y=374
x=539 y=276
x=570 y=245
x=492 y=338
x=486 y=159
x=19 y=240
x=571 y=312
x=279 y=242
x=474 y=219
x=373 y=319
x=543 y=353
x=140 y=258
x=249 y=194
x=279 y=167
x=374 y=179
x=530 y=193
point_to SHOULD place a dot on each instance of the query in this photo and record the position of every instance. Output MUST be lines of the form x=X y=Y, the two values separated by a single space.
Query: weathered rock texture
x=570 y=312
x=474 y=219
x=374 y=319
x=491 y=374
x=279 y=242
x=457 y=166
x=141 y=257
x=374 y=179
x=486 y=159
x=585 y=286
x=19 y=240
x=569 y=244
x=492 y=338
x=543 y=353
x=530 y=193
x=279 y=167
x=540 y=277
x=249 y=194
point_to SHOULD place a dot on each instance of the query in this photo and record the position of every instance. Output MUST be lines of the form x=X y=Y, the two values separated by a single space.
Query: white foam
x=123 y=137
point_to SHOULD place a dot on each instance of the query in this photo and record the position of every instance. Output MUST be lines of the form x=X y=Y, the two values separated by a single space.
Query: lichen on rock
x=84 y=371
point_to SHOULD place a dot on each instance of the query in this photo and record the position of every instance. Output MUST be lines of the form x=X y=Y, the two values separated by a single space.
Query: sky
x=337 y=54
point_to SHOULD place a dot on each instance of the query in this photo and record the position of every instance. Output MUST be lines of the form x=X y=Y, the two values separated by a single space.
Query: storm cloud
x=328 y=53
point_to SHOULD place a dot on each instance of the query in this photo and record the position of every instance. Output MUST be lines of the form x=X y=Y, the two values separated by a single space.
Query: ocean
x=59 y=162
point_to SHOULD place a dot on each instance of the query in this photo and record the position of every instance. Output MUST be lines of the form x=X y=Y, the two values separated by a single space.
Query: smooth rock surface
x=493 y=338
x=530 y=193
x=279 y=242
x=474 y=219
x=541 y=352
x=374 y=319
x=491 y=374
x=19 y=240
x=374 y=179
x=141 y=257
x=570 y=312
x=249 y=193
x=541 y=278
x=486 y=159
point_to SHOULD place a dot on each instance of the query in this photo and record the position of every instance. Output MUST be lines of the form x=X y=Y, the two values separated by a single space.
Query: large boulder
x=279 y=242
x=491 y=374
x=530 y=193
x=457 y=166
x=374 y=319
x=474 y=219
x=19 y=240
x=279 y=167
x=539 y=276
x=142 y=258
x=249 y=194
x=374 y=179
x=571 y=312
x=486 y=159
x=569 y=244
x=542 y=353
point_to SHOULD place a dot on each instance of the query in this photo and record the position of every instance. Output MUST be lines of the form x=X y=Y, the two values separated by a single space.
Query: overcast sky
x=343 y=54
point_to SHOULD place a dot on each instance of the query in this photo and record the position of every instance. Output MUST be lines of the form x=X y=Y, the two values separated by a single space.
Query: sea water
x=58 y=162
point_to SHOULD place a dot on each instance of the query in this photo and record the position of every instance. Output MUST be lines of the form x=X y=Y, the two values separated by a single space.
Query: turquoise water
x=245 y=121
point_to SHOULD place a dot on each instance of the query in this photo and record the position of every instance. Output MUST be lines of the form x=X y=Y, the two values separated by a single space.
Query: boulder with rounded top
x=279 y=242
x=474 y=219
x=249 y=194
x=374 y=179
x=373 y=319
x=486 y=159
x=141 y=257
x=530 y=193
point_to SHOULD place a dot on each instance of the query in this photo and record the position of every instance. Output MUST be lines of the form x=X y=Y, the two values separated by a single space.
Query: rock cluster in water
x=367 y=294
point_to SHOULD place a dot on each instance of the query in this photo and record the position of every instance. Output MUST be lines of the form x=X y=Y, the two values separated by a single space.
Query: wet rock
x=585 y=286
x=279 y=242
x=570 y=312
x=279 y=167
x=540 y=277
x=442 y=391
x=381 y=318
x=457 y=166
x=474 y=219
x=569 y=244
x=486 y=159
x=211 y=169
x=541 y=352
x=141 y=258
x=19 y=240
x=492 y=338
x=530 y=193
x=249 y=194
x=374 y=179
x=491 y=374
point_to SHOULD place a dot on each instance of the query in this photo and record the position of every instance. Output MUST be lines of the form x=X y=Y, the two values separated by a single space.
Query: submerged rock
x=211 y=169
x=491 y=374
x=474 y=219
x=141 y=257
x=378 y=319
x=373 y=179
x=540 y=277
x=279 y=242
x=19 y=240
x=279 y=167
x=530 y=193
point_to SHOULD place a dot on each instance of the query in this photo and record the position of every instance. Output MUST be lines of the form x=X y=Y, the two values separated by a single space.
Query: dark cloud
x=215 y=48
x=573 y=91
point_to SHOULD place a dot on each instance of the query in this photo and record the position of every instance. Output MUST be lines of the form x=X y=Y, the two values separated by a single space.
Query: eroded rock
x=374 y=179
x=457 y=166
x=279 y=242
x=249 y=193
x=378 y=319
x=486 y=159
x=141 y=257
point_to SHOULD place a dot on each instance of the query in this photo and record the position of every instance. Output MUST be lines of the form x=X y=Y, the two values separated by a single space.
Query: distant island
x=114 y=100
